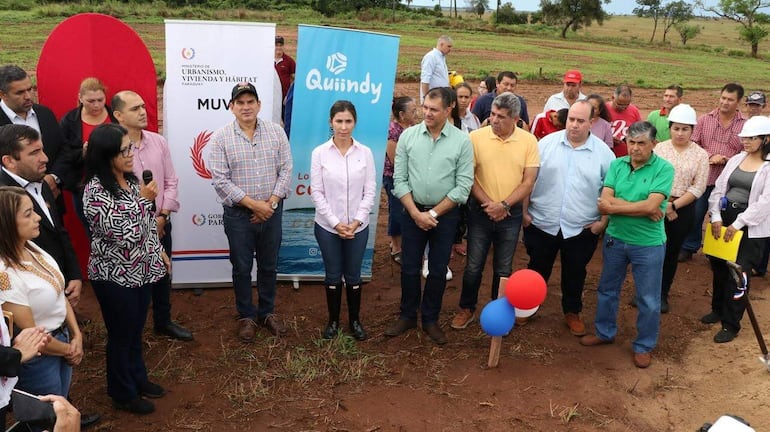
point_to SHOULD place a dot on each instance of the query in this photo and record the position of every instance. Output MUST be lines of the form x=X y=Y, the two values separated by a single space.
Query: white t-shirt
x=6 y=384
x=49 y=308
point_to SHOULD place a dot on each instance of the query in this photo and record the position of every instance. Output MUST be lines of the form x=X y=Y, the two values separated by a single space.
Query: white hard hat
x=684 y=114
x=756 y=126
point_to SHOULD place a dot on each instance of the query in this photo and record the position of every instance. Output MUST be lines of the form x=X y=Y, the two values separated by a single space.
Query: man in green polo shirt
x=659 y=118
x=634 y=196
x=433 y=173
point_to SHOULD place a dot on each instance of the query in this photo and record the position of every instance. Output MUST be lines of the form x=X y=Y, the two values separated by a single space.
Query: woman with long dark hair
x=126 y=257
x=740 y=201
x=32 y=288
x=342 y=178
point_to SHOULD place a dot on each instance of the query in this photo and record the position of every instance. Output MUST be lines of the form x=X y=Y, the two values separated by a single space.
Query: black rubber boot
x=354 y=305
x=333 y=302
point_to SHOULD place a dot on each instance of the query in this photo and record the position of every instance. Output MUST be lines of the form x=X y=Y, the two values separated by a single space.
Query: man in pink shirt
x=623 y=114
x=151 y=153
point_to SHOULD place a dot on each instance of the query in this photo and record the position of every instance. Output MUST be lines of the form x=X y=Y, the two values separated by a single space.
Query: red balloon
x=525 y=289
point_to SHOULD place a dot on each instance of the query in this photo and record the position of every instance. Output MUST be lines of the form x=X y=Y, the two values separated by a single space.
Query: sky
x=616 y=7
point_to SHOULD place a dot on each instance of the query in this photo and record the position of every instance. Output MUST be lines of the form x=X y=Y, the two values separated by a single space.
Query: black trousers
x=731 y=310
x=575 y=253
x=677 y=231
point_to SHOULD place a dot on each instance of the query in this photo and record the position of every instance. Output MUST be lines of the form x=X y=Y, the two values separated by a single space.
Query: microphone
x=147 y=178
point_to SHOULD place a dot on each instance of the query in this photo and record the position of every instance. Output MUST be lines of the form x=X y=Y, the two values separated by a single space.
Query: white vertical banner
x=204 y=60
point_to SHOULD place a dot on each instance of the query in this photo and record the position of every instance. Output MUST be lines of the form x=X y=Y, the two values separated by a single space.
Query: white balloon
x=524 y=313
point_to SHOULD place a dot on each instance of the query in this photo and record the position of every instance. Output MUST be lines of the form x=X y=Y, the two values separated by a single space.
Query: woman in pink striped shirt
x=342 y=180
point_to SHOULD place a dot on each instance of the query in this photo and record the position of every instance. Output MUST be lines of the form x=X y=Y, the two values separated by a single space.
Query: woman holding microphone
x=126 y=258
x=342 y=178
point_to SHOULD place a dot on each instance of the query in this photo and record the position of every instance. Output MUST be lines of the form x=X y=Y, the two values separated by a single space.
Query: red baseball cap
x=573 y=76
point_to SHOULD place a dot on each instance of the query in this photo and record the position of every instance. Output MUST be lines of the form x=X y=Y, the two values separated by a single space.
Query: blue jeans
x=342 y=257
x=161 y=290
x=47 y=374
x=647 y=270
x=125 y=311
x=484 y=233
x=395 y=208
x=694 y=238
x=249 y=240
x=414 y=240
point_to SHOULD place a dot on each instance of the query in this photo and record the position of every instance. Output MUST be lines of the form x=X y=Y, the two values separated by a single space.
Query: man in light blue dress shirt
x=562 y=215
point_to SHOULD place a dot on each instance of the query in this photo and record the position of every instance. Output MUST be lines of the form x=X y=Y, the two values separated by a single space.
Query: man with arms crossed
x=433 y=174
x=634 y=197
x=561 y=214
x=251 y=166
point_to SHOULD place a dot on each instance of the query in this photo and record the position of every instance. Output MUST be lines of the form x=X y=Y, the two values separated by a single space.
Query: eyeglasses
x=126 y=152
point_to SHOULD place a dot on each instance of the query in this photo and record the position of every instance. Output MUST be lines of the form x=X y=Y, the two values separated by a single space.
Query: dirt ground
x=546 y=380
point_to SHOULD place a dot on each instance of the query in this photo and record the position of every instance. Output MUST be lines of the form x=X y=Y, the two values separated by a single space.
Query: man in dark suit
x=23 y=163
x=17 y=107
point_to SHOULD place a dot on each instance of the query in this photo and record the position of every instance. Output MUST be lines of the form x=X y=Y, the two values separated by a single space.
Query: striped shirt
x=125 y=248
x=257 y=168
x=716 y=139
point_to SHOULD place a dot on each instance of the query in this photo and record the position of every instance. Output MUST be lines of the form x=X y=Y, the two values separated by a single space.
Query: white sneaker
x=425 y=269
x=448 y=274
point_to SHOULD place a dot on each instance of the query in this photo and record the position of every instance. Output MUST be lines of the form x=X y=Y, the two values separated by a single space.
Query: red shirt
x=286 y=67
x=621 y=120
x=545 y=126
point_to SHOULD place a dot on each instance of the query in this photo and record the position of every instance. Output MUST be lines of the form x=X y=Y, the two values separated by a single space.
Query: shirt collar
x=22 y=182
x=652 y=158
x=12 y=114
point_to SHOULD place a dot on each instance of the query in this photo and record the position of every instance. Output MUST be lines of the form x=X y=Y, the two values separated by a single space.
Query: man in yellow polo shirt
x=505 y=169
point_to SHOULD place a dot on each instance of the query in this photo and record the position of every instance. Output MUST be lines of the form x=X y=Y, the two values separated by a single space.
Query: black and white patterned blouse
x=125 y=248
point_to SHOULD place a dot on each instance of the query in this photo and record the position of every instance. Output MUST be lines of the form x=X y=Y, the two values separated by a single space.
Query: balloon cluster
x=524 y=293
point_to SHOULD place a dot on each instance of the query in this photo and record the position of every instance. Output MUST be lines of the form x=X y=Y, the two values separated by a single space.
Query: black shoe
x=400 y=327
x=331 y=330
x=710 y=318
x=724 y=336
x=433 y=330
x=664 y=308
x=136 y=406
x=152 y=390
x=358 y=330
x=87 y=420
x=684 y=256
x=174 y=331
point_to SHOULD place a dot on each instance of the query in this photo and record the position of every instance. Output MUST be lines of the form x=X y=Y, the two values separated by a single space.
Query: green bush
x=508 y=15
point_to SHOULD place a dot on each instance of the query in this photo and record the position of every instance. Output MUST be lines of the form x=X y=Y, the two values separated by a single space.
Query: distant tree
x=478 y=6
x=746 y=13
x=675 y=13
x=687 y=31
x=650 y=9
x=573 y=14
x=508 y=15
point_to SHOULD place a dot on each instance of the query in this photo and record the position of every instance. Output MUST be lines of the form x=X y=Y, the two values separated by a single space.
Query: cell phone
x=28 y=408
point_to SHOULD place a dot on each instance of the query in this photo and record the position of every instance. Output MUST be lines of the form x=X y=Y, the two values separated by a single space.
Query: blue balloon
x=498 y=317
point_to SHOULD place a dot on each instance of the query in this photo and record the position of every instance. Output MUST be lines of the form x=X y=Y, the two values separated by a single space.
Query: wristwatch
x=506 y=206
x=673 y=206
x=433 y=214
x=274 y=205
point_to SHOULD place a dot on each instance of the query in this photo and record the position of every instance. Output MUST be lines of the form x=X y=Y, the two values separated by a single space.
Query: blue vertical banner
x=334 y=64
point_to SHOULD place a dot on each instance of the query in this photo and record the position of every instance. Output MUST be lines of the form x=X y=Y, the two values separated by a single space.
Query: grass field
x=617 y=52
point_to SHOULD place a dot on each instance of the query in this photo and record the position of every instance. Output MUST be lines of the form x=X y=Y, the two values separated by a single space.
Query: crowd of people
x=473 y=168
x=584 y=171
